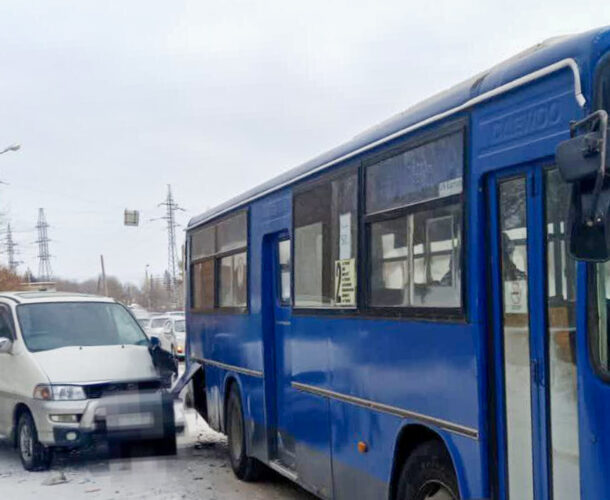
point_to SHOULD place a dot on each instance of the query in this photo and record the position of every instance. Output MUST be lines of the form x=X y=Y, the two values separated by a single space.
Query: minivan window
x=47 y=326
x=179 y=326
x=5 y=324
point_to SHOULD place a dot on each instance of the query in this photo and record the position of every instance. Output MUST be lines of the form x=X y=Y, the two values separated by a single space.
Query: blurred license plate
x=127 y=420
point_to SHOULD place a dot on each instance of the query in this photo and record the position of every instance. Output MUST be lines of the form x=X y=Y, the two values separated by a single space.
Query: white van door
x=8 y=371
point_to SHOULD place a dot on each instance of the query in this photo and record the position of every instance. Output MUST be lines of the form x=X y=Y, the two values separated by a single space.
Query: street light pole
x=13 y=147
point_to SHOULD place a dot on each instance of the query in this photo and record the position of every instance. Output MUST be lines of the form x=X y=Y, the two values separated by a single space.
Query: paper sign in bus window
x=515 y=296
x=345 y=282
x=345 y=236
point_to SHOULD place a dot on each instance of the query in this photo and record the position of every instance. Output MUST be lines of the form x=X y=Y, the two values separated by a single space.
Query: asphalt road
x=199 y=471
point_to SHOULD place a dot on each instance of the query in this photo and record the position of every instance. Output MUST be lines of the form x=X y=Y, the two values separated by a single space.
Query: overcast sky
x=114 y=100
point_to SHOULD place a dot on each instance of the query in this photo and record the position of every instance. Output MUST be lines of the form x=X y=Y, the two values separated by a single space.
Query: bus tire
x=428 y=474
x=244 y=467
x=188 y=396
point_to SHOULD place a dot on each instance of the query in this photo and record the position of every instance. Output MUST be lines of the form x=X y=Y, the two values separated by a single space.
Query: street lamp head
x=12 y=147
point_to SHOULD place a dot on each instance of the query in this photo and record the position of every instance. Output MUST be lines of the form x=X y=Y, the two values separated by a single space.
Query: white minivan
x=158 y=327
x=74 y=368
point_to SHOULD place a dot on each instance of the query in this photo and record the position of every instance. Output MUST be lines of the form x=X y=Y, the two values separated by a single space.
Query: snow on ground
x=199 y=471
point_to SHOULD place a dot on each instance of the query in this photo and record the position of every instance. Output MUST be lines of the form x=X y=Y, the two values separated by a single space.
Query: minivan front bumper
x=130 y=416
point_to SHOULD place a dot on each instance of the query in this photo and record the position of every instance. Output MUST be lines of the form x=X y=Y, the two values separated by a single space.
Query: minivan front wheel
x=34 y=455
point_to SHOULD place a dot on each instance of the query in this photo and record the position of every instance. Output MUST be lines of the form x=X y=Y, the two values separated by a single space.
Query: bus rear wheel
x=244 y=467
x=428 y=475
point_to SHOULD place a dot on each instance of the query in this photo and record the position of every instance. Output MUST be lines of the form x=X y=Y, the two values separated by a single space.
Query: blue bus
x=418 y=313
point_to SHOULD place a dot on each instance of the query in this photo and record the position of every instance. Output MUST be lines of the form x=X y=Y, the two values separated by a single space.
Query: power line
x=13 y=263
x=170 y=217
x=44 y=257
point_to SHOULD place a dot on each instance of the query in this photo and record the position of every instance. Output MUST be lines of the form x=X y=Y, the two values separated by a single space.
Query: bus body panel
x=523 y=125
x=404 y=350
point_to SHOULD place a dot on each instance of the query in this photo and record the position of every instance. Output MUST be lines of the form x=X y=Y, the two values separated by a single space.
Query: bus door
x=281 y=446
x=533 y=345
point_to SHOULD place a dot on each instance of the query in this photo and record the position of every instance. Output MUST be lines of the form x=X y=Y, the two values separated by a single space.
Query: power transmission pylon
x=170 y=217
x=44 y=257
x=13 y=263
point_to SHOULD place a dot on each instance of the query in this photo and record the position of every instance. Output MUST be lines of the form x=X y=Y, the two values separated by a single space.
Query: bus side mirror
x=582 y=162
x=579 y=158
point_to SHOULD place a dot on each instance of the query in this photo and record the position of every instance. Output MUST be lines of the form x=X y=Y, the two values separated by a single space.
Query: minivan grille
x=94 y=391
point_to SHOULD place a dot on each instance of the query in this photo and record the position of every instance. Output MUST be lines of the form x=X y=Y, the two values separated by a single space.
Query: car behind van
x=74 y=368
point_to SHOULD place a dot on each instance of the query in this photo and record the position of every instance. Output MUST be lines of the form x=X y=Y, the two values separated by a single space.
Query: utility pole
x=10 y=250
x=44 y=257
x=147 y=287
x=151 y=284
x=170 y=218
x=104 y=283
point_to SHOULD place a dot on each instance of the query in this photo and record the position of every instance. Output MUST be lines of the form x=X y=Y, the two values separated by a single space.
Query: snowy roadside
x=200 y=470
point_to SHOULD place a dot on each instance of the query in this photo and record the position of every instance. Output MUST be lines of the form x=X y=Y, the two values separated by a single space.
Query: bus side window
x=283 y=254
x=414 y=221
x=219 y=252
x=325 y=243
x=415 y=259
x=202 y=279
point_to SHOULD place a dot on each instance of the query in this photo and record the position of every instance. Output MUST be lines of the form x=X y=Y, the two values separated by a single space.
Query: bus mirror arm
x=582 y=161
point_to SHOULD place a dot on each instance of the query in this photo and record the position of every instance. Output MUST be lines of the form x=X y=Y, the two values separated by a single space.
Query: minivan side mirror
x=164 y=362
x=582 y=162
x=6 y=345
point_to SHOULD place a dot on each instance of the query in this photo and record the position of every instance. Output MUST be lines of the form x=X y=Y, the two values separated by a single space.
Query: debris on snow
x=58 y=478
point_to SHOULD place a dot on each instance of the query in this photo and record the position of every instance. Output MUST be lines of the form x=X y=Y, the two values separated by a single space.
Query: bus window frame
x=192 y=287
x=278 y=278
x=230 y=309
x=350 y=168
x=444 y=314
x=457 y=315
x=216 y=257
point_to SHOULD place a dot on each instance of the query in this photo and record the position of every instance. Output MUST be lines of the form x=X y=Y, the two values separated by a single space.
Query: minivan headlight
x=59 y=392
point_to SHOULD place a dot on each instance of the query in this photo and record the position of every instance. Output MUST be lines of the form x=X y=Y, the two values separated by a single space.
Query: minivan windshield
x=52 y=325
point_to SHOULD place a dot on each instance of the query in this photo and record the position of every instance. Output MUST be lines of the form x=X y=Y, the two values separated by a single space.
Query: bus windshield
x=47 y=326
